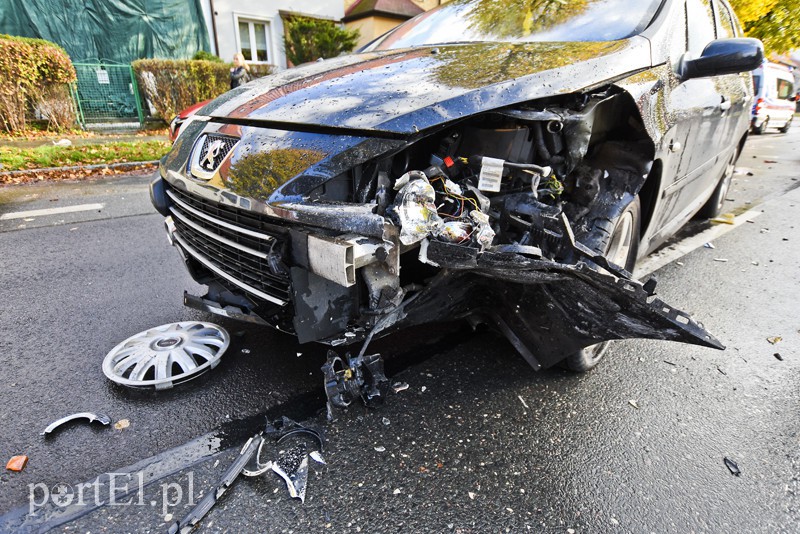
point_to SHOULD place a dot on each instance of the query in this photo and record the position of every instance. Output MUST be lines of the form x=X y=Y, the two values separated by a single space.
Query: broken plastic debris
x=778 y=356
x=295 y=476
x=317 y=457
x=386 y=421
x=634 y=404
x=721 y=260
x=485 y=233
x=17 y=463
x=709 y=245
x=396 y=492
x=196 y=514
x=245 y=351
x=725 y=218
x=349 y=378
x=775 y=340
x=471 y=495
x=397 y=387
x=523 y=402
x=89 y=416
x=415 y=207
x=732 y=466
x=122 y=424
x=380 y=448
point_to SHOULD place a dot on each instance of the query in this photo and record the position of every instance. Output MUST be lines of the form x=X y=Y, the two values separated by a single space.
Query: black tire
x=605 y=237
x=786 y=126
x=713 y=206
x=761 y=129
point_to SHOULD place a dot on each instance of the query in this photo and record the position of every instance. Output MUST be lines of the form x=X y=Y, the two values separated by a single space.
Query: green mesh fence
x=106 y=93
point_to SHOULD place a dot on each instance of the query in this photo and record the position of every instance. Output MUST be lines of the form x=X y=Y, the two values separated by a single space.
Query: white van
x=775 y=98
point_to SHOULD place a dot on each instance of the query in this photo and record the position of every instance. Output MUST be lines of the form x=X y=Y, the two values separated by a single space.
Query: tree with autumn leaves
x=775 y=22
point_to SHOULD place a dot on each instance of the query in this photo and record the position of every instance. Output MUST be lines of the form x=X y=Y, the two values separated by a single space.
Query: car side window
x=725 y=29
x=785 y=89
x=700 y=26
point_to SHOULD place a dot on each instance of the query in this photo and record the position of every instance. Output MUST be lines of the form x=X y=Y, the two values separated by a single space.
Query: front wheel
x=618 y=241
x=713 y=206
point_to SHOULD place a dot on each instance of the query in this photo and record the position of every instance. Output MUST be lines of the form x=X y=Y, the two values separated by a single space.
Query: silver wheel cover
x=166 y=355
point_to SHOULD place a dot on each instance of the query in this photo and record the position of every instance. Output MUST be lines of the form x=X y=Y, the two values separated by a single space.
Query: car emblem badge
x=209 y=153
x=212 y=153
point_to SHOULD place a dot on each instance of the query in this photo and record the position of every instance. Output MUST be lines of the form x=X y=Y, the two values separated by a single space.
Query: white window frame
x=251 y=20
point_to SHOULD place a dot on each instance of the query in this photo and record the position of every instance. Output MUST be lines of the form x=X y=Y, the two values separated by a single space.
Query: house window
x=253 y=40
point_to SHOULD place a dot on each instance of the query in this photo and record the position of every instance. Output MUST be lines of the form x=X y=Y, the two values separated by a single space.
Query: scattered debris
x=471 y=495
x=774 y=340
x=709 y=245
x=523 y=402
x=122 y=424
x=721 y=260
x=722 y=372
x=732 y=467
x=62 y=143
x=192 y=347
x=245 y=351
x=634 y=404
x=317 y=457
x=669 y=363
x=89 y=416
x=679 y=263
x=725 y=218
x=196 y=514
x=347 y=379
x=396 y=492
x=397 y=387
x=778 y=356
x=380 y=448
x=17 y=463
x=423 y=389
x=754 y=263
x=770 y=161
x=386 y=421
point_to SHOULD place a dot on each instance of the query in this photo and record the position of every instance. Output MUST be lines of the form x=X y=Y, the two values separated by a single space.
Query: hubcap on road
x=166 y=355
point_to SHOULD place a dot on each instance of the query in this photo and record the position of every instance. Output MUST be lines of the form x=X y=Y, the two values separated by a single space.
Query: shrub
x=202 y=55
x=34 y=73
x=172 y=85
x=308 y=39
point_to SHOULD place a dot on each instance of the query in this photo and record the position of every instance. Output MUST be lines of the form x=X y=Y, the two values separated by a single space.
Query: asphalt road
x=478 y=442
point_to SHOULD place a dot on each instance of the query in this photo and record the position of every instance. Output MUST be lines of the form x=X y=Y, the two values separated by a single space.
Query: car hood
x=407 y=91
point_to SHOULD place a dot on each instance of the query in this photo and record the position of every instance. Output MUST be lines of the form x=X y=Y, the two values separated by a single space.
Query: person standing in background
x=240 y=72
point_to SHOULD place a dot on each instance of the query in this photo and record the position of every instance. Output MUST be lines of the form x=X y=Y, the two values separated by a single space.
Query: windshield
x=463 y=21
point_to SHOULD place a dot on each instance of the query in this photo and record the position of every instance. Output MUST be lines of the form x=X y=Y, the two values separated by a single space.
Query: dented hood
x=407 y=91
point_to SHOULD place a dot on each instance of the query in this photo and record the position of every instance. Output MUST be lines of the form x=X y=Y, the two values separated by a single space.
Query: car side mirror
x=725 y=56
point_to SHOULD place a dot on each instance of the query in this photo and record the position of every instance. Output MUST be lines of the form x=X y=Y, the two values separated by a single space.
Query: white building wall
x=228 y=12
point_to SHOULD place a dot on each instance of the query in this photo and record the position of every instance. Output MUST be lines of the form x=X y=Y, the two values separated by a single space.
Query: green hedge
x=34 y=73
x=172 y=85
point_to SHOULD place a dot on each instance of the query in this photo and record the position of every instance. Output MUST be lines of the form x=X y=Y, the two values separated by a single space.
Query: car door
x=699 y=106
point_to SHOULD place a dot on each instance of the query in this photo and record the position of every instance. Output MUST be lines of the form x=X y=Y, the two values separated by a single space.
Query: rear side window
x=785 y=89
x=700 y=24
x=724 y=21
x=756 y=83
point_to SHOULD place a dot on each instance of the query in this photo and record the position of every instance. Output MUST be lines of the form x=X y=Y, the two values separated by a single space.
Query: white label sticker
x=491 y=174
x=102 y=77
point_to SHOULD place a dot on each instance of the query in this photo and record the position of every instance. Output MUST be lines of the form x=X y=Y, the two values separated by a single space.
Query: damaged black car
x=495 y=161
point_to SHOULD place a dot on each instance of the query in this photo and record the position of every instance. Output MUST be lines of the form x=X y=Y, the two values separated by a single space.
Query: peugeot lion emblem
x=213 y=151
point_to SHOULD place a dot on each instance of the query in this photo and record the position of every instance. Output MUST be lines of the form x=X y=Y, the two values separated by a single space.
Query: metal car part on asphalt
x=166 y=355
x=89 y=416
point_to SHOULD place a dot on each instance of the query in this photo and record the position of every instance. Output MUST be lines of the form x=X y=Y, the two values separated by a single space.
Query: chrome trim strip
x=208 y=264
x=214 y=236
x=211 y=219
